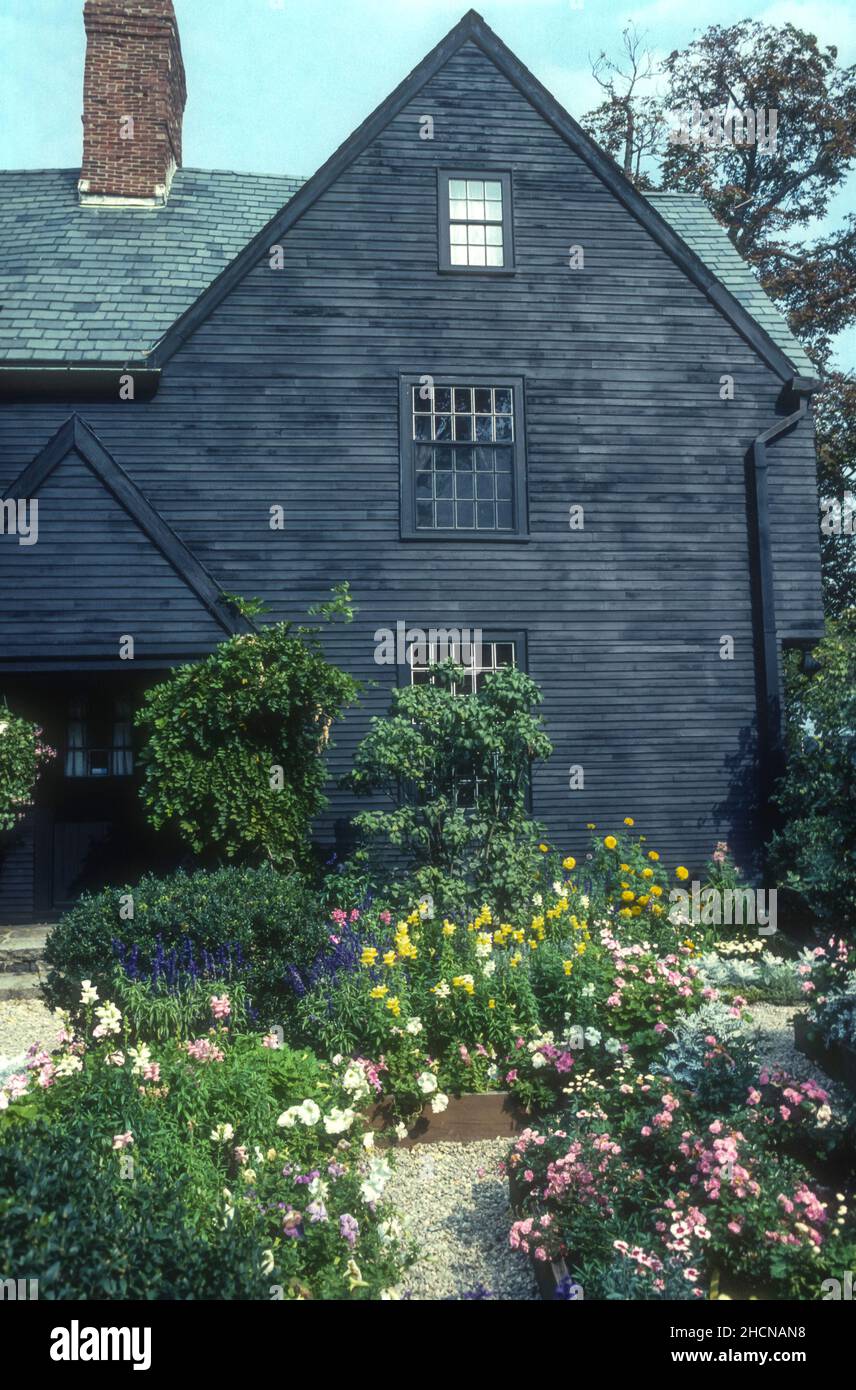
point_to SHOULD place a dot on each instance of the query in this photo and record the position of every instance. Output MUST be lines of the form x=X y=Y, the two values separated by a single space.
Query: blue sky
x=275 y=85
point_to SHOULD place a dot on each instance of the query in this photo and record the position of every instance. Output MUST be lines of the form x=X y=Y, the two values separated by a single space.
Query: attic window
x=475 y=221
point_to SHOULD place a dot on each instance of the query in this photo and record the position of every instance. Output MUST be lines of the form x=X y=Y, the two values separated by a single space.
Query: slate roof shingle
x=104 y=284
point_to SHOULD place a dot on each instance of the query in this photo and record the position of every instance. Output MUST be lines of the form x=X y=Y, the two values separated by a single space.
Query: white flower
x=537 y=899
x=592 y=1037
x=584 y=900
x=228 y=1209
x=288 y=1118
x=109 y=1019
x=338 y=1121
x=587 y=991
x=368 y=1140
x=69 y=1064
x=414 y=1026
x=354 y=1080
x=427 y=1083
x=141 y=1055
x=222 y=1134
x=442 y=990
x=388 y=1231
x=320 y=1188
x=338 y=1059
x=379 y=1175
x=559 y=889
x=612 y=1045
x=488 y=969
x=439 y=1103
x=539 y=1061
x=401 y=1130
x=88 y=993
x=308 y=1113
x=822 y=1118
x=484 y=945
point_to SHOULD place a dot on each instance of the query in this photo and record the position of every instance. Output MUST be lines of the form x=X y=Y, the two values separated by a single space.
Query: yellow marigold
x=627 y=896
x=644 y=900
x=636 y=911
x=625 y=868
x=656 y=890
x=628 y=820
x=369 y=955
x=681 y=872
x=545 y=849
x=647 y=873
x=389 y=958
x=624 y=912
x=657 y=909
x=569 y=863
x=568 y=966
x=653 y=855
x=379 y=991
x=610 y=841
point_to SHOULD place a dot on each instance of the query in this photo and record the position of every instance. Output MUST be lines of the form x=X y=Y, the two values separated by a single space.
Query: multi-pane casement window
x=462 y=459
x=99 y=738
x=475 y=221
x=479 y=658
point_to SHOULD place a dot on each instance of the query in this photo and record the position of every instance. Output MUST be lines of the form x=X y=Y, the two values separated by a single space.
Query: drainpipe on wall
x=771 y=734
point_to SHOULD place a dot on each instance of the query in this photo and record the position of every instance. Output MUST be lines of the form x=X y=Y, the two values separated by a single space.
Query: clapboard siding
x=288 y=394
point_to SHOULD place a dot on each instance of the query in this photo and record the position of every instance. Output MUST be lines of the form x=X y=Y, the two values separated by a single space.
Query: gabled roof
x=75 y=436
x=103 y=284
x=131 y=286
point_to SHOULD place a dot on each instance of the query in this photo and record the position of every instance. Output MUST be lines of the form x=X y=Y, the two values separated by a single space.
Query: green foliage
x=430 y=754
x=22 y=756
x=193 y=1206
x=261 y=920
x=815 y=853
x=233 y=756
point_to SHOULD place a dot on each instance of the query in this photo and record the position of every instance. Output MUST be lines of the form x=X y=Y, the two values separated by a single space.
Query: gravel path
x=774 y=1039
x=452 y=1200
x=22 y=1022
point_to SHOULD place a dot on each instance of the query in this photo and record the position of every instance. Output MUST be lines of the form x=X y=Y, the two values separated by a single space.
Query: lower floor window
x=478 y=656
x=99 y=737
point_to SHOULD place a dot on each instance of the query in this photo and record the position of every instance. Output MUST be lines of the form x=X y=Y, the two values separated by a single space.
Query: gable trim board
x=473 y=29
x=76 y=436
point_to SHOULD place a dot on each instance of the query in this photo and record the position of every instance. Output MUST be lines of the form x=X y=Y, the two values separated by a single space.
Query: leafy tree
x=22 y=757
x=835 y=418
x=233 y=758
x=816 y=851
x=457 y=769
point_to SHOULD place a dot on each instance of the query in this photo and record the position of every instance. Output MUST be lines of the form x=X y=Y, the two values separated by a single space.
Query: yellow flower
x=628 y=820
x=394 y=1006
x=533 y=944
x=656 y=890
x=690 y=945
x=491 y=1003
x=647 y=873
x=389 y=958
x=569 y=863
x=681 y=872
x=627 y=896
x=610 y=842
x=636 y=911
x=657 y=909
x=379 y=991
x=369 y=955
x=449 y=928
x=625 y=868
x=581 y=948
x=591 y=826
x=545 y=849
x=624 y=912
x=515 y=961
x=644 y=900
x=568 y=966
x=653 y=855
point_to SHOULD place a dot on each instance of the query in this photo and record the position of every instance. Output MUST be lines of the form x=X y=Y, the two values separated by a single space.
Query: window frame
x=502 y=176
x=519 y=531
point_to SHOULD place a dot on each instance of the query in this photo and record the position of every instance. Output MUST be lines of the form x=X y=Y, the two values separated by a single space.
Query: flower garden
x=241 y=1055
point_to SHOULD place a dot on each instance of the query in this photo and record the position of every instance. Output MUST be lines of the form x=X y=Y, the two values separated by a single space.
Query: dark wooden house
x=487 y=381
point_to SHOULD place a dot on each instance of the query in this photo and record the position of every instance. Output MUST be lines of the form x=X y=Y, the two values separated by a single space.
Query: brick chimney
x=133 y=101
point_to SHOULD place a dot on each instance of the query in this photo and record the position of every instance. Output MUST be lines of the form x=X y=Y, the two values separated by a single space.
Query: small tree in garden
x=457 y=768
x=22 y=757
x=234 y=753
x=816 y=851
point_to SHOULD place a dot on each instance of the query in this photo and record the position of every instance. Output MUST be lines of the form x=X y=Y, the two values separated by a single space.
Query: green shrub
x=457 y=768
x=233 y=759
x=22 y=756
x=816 y=851
x=250 y=925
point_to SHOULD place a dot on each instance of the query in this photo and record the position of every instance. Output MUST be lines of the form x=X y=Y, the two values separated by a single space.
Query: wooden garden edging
x=838 y=1060
x=467 y=1118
